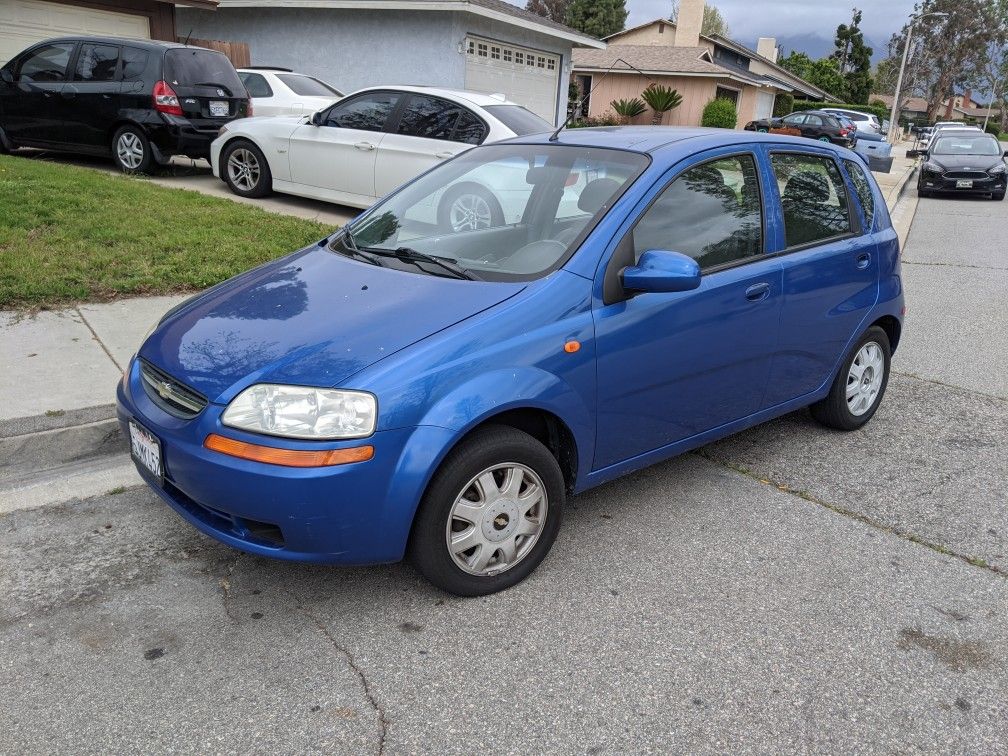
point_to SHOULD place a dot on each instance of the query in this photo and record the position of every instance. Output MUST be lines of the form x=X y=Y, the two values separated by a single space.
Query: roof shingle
x=655 y=58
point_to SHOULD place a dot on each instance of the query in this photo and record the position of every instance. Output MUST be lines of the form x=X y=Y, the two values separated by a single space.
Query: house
x=699 y=67
x=956 y=108
x=487 y=46
x=25 y=22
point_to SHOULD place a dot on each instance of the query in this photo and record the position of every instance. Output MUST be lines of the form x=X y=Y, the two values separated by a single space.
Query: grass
x=70 y=234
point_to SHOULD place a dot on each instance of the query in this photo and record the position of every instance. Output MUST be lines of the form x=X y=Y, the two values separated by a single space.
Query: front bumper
x=937 y=182
x=358 y=513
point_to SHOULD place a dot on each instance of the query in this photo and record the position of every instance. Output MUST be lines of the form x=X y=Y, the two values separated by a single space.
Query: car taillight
x=165 y=99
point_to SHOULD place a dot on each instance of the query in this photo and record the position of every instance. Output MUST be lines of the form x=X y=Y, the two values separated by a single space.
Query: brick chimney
x=967 y=101
x=688 y=23
x=767 y=47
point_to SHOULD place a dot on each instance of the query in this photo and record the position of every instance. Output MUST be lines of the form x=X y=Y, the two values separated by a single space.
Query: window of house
x=97 y=63
x=550 y=64
x=481 y=50
x=712 y=212
x=368 y=112
x=471 y=49
x=519 y=57
x=508 y=55
x=813 y=197
x=863 y=189
x=48 y=63
x=134 y=63
x=723 y=93
x=541 y=62
x=495 y=53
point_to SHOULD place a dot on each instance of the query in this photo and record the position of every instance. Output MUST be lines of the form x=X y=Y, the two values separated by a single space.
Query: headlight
x=931 y=168
x=997 y=170
x=303 y=412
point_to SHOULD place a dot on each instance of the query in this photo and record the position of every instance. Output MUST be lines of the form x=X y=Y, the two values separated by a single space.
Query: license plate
x=218 y=108
x=146 y=450
x=964 y=184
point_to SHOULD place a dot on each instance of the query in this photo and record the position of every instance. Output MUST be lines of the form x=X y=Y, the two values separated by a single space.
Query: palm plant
x=627 y=109
x=661 y=100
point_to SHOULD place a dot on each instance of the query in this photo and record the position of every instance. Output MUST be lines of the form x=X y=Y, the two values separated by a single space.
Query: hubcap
x=864 y=380
x=129 y=148
x=243 y=169
x=496 y=519
x=470 y=212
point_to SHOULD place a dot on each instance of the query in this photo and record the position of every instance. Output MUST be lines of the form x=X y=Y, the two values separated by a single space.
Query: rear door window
x=97 y=63
x=368 y=112
x=48 y=63
x=188 y=67
x=813 y=197
x=428 y=117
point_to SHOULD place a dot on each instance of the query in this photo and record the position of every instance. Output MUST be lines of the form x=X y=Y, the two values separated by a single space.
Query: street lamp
x=894 y=114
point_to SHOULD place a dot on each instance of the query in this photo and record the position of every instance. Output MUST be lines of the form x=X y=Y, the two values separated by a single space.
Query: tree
x=853 y=59
x=661 y=100
x=597 y=18
x=627 y=109
x=554 y=10
x=823 y=73
x=713 y=21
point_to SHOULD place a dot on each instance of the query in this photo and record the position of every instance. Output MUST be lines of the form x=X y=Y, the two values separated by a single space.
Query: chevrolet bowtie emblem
x=165 y=389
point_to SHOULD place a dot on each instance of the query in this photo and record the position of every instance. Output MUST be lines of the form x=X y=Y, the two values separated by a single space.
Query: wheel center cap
x=500 y=520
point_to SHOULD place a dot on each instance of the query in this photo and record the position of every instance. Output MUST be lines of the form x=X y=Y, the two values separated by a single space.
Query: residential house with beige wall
x=699 y=67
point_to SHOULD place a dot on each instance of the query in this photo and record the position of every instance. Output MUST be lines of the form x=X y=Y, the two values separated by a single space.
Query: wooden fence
x=237 y=52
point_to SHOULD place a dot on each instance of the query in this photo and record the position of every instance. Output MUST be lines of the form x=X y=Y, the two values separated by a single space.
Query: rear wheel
x=490 y=515
x=859 y=386
x=131 y=150
x=245 y=170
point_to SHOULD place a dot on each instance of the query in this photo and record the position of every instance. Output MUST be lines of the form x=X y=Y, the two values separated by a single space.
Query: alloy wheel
x=496 y=519
x=864 y=379
x=130 y=150
x=243 y=169
x=469 y=212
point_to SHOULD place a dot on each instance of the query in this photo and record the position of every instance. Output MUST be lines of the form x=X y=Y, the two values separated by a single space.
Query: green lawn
x=70 y=234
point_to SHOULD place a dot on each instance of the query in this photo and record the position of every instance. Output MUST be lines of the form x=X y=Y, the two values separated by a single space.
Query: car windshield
x=521 y=121
x=306 y=86
x=190 y=67
x=504 y=212
x=966 y=144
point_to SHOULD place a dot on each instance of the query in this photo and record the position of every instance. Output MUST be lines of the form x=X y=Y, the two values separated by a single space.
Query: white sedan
x=280 y=91
x=370 y=143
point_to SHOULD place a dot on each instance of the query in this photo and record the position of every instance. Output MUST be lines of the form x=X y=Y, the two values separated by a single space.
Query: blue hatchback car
x=611 y=298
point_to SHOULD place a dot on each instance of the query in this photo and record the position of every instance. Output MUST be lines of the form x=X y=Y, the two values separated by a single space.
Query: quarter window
x=48 y=63
x=863 y=189
x=712 y=213
x=97 y=63
x=469 y=129
x=368 y=112
x=134 y=62
x=255 y=84
x=813 y=197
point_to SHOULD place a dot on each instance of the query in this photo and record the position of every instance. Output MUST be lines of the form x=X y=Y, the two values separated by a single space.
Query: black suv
x=138 y=100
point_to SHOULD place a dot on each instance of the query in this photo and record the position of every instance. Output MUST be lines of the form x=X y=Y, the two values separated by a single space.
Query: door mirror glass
x=6 y=76
x=661 y=271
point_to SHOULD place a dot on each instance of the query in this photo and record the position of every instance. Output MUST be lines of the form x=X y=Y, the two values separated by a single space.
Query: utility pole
x=894 y=115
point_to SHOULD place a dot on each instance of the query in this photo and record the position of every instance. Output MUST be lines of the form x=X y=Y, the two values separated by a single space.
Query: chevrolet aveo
x=406 y=388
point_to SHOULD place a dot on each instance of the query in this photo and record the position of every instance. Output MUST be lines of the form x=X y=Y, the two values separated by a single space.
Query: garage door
x=764 y=105
x=523 y=75
x=25 y=22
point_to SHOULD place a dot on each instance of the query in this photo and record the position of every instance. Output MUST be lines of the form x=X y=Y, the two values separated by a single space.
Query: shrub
x=661 y=100
x=627 y=109
x=720 y=114
x=783 y=105
x=606 y=119
x=992 y=128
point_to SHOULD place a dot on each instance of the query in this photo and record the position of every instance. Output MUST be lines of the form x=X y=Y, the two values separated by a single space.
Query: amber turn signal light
x=572 y=346
x=287 y=457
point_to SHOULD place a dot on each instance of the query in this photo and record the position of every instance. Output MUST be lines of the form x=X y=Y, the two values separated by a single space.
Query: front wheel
x=490 y=515
x=859 y=386
x=245 y=170
x=998 y=196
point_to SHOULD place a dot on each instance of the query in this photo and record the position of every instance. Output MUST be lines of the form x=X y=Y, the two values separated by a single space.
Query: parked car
x=281 y=91
x=367 y=144
x=137 y=100
x=962 y=161
x=813 y=124
x=394 y=390
x=865 y=122
x=852 y=130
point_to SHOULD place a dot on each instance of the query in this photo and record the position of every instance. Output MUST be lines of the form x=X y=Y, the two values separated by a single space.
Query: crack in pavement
x=851 y=514
x=379 y=711
x=936 y=382
x=225 y=584
x=952 y=265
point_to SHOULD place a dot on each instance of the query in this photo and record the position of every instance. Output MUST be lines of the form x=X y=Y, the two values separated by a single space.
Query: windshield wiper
x=352 y=250
x=214 y=84
x=408 y=254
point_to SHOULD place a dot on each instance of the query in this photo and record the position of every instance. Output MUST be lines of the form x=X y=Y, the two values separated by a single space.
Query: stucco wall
x=360 y=48
x=696 y=92
x=648 y=35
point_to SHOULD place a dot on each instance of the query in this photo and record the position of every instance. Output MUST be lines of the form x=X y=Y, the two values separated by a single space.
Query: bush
x=606 y=119
x=992 y=128
x=783 y=105
x=876 y=108
x=720 y=114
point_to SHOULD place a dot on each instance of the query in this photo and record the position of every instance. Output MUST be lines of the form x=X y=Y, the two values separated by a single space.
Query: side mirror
x=1006 y=153
x=6 y=76
x=914 y=153
x=660 y=271
x=316 y=119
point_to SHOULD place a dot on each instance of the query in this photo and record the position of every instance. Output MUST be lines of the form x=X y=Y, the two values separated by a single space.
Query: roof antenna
x=577 y=109
x=187 y=36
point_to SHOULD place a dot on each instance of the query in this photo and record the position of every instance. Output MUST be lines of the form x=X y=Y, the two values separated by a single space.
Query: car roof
x=133 y=42
x=473 y=98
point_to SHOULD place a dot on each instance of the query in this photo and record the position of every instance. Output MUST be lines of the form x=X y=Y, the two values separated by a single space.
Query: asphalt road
x=788 y=589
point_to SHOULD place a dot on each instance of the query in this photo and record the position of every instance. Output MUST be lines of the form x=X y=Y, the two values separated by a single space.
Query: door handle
x=758 y=292
x=364 y=146
x=444 y=155
x=863 y=261
x=68 y=93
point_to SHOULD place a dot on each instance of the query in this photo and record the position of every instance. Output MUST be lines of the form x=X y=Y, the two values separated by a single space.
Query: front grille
x=171 y=395
x=975 y=175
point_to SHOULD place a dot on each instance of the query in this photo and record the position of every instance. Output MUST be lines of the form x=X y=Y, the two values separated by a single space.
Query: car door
x=32 y=109
x=90 y=100
x=427 y=131
x=794 y=121
x=339 y=154
x=671 y=366
x=830 y=271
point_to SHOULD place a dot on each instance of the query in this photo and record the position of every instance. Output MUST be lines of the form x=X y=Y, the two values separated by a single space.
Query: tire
x=762 y=131
x=998 y=196
x=131 y=150
x=825 y=139
x=836 y=411
x=456 y=494
x=921 y=192
x=469 y=207
x=245 y=170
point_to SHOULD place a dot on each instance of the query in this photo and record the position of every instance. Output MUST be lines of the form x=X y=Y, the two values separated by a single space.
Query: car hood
x=314 y=318
x=965 y=162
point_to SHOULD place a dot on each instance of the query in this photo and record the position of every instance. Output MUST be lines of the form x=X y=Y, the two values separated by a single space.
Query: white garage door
x=523 y=75
x=764 y=105
x=25 y=22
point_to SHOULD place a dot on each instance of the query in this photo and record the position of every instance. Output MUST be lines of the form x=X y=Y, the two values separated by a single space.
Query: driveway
x=788 y=589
